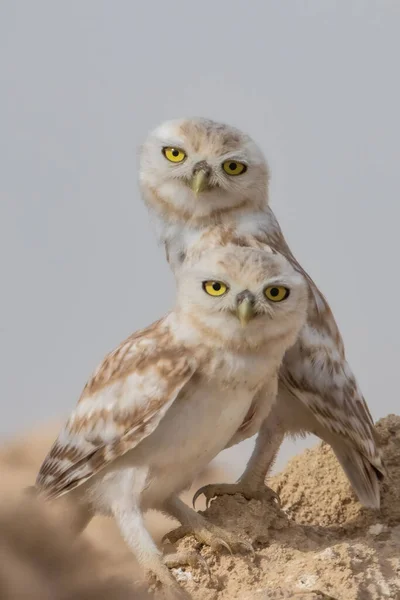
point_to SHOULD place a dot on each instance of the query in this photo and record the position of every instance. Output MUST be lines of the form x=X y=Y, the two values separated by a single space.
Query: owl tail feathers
x=363 y=476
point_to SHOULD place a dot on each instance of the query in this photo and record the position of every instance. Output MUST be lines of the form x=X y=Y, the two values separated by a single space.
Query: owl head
x=245 y=294
x=198 y=168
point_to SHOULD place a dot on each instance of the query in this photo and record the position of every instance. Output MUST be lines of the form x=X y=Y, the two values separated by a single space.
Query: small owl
x=206 y=185
x=146 y=421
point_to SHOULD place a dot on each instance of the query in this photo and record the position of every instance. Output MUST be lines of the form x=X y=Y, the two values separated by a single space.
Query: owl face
x=243 y=292
x=199 y=166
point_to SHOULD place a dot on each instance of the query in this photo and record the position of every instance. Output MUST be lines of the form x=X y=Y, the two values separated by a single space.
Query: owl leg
x=131 y=525
x=251 y=484
x=205 y=532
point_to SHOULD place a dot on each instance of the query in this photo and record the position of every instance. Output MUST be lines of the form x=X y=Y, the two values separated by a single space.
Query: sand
x=321 y=543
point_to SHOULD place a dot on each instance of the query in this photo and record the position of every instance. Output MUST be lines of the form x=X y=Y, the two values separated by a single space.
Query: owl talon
x=218 y=542
x=193 y=559
x=211 y=491
x=213 y=536
x=176 y=534
x=196 y=496
x=249 y=548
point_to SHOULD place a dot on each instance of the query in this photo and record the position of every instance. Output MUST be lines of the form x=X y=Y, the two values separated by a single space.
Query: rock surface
x=320 y=545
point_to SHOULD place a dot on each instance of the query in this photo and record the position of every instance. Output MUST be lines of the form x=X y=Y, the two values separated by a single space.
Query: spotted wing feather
x=122 y=404
x=317 y=373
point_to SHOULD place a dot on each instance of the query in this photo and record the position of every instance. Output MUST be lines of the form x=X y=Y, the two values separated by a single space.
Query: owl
x=206 y=185
x=145 y=423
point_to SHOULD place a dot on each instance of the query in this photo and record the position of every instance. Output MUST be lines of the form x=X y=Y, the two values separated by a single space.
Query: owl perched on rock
x=145 y=423
x=206 y=185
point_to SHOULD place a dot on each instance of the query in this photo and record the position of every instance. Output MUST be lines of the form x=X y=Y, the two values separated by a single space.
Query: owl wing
x=316 y=372
x=331 y=394
x=121 y=404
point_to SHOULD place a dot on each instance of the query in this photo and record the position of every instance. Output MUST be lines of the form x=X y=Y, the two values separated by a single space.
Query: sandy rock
x=318 y=546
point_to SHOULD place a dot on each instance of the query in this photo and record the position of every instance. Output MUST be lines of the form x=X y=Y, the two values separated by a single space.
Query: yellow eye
x=215 y=288
x=175 y=155
x=233 y=167
x=276 y=293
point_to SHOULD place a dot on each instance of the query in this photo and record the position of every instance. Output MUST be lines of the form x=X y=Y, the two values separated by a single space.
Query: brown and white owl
x=206 y=185
x=146 y=420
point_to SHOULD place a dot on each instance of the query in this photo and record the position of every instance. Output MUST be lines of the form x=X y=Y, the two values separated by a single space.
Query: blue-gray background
x=82 y=81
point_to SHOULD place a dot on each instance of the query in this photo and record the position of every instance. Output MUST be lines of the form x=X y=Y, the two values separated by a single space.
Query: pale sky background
x=315 y=82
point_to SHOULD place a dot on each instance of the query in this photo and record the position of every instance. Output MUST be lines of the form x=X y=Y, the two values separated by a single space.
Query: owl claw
x=219 y=542
x=177 y=534
x=197 y=494
x=210 y=535
x=204 y=564
x=193 y=559
x=263 y=493
x=249 y=548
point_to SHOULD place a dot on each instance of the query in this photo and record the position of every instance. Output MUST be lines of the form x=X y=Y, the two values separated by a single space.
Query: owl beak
x=200 y=179
x=245 y=307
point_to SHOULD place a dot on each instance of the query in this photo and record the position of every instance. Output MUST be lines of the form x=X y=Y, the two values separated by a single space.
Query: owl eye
x=233 y=167
x=175 y=155
x=215 y=288
x=276 y=293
